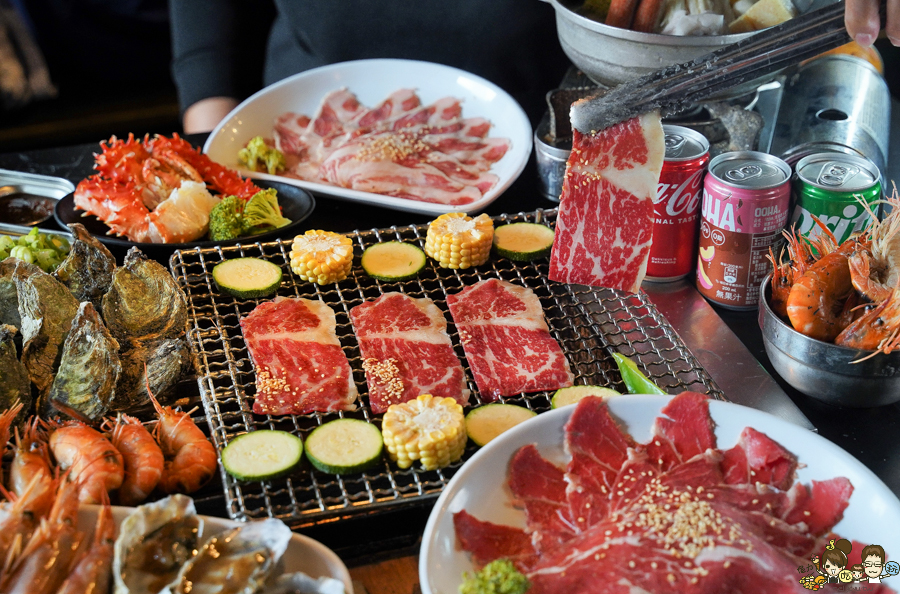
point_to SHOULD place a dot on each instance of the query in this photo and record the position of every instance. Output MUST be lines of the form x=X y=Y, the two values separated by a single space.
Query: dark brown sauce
x=25 y=209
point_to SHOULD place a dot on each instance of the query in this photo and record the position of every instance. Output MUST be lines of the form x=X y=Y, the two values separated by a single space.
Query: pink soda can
x=746 y=202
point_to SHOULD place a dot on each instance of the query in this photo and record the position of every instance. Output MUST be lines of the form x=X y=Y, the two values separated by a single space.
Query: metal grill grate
x=588 y=323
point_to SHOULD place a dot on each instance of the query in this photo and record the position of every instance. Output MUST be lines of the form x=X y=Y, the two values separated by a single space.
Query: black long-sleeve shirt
x=512 y=43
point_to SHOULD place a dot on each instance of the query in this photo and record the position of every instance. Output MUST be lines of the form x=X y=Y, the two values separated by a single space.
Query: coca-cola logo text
x=681 y=199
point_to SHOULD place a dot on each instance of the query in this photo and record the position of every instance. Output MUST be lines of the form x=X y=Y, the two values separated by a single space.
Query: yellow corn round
x=456 y=240
x=322 y=257
x=428 y=429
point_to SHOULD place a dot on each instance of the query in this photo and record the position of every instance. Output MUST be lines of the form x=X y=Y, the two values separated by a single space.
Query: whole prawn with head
x=190 y=459
x=95 y=465
x=875 y=265
x=142 y=456
x=32 y=463
x=821 y=301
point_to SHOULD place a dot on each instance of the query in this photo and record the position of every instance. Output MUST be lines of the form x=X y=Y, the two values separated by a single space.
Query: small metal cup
x=551 y=160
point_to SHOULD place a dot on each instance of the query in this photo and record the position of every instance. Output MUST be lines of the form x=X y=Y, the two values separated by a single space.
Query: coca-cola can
x=746 y=200
x=676 y=221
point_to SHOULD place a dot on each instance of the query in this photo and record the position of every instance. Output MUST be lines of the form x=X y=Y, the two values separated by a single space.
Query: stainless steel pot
x=825 y=371
x=610 y=55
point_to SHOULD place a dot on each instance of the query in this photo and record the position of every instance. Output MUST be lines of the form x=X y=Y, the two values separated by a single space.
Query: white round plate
x=372 y=81
x=303 y=553
x=479 y=486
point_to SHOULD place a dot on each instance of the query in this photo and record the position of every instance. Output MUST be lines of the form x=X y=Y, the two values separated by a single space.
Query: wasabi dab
x=497 y=577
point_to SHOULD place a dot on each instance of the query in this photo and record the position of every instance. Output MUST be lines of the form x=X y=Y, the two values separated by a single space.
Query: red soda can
x=677 y=206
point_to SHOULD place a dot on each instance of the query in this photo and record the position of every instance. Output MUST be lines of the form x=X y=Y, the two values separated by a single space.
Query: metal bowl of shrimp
x=834 y=374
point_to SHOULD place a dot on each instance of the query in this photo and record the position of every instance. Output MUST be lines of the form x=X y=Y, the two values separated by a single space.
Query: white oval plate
x=303 y=553
x=479 y=486
x=372 y=81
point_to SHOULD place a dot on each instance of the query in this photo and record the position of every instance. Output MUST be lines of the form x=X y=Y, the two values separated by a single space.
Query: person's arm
x=205 y=60
x=205 y=114
x=863 y=24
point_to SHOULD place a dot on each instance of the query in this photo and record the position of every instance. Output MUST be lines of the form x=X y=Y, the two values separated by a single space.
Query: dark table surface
x=867 y=434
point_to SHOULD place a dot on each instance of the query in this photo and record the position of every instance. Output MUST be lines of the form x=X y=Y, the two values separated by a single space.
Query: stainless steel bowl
x=825 y=371
x=610 y=55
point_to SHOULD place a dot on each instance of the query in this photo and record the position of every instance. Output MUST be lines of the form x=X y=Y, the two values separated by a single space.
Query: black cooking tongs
x=676 y=88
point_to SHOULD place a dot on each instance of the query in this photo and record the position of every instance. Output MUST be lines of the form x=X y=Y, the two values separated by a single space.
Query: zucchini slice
x=487 y=422
x=262 y=455
x=247 y=278
x=572 y=394
x=344 y=446
x=393 y=261
x=523 y=242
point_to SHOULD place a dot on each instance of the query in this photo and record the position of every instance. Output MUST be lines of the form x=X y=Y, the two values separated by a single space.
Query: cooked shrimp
x=190 y=458
x=19 y=521
x=6 y=420
x=817 y=302
x=878 y=329
x=46 y=559
x=875 y=265
x=802 y=253
x=32 y=461
x=143 y=459
x=95 y=465
x=93 y=570
x=782 y=281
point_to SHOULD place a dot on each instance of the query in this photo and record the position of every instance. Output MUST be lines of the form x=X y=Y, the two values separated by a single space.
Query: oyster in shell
x=144 y=302
x=14 y=382
x=87 y=270
x=46 y=309
x=238 y=561
x=85 y=383
x=162 y=362
x=9 y=294
x=154 y=543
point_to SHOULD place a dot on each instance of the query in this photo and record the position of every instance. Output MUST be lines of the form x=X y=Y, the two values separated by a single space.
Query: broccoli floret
x=497 y=577
x=225 y=220
x=257 y=154
x=262 y=213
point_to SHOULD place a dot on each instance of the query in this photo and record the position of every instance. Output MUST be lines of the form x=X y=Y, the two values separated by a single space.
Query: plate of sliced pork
x=646 y=493
x=401 y=134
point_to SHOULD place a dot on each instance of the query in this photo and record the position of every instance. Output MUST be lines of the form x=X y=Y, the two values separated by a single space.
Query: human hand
x=205 y=114
x=863 y=23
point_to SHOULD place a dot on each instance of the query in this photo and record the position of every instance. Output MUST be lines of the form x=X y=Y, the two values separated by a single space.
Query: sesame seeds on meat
x=386 y=374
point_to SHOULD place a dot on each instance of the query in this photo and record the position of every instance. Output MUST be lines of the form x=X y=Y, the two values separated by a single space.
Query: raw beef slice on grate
x=300 y=367
x=506 y=340
x=406 y=351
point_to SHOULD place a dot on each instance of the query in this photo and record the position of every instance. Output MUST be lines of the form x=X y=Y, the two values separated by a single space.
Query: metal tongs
x=676 y=88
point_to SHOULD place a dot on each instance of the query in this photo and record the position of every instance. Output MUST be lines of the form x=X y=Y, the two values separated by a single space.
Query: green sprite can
x=827 y=185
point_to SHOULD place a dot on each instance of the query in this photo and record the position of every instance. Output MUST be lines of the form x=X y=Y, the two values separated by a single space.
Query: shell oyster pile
x=161 y=549
x=91 y=332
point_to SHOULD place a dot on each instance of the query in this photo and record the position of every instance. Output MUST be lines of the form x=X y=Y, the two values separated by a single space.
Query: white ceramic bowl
x=479 y=486
x=372 y=81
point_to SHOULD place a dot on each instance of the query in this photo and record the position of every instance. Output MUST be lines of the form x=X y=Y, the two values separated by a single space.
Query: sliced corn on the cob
x=430 y=430
x=456 y=240
x=322 y=257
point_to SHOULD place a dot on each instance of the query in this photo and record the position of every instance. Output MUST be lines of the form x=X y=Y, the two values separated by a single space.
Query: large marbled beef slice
x=605 y=223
